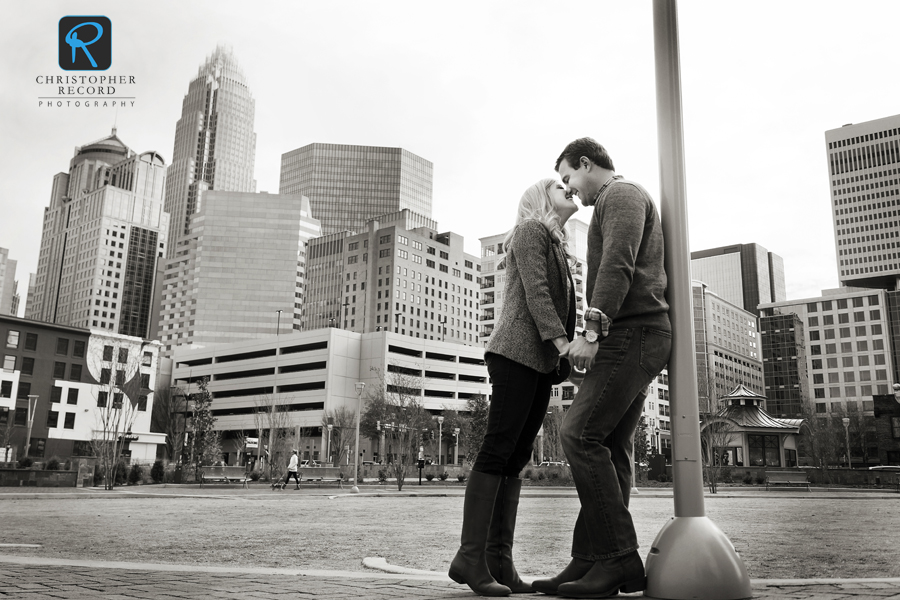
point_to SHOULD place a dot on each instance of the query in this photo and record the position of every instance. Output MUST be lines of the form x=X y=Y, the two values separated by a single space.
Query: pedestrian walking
x=292 y=471
x=534 y=328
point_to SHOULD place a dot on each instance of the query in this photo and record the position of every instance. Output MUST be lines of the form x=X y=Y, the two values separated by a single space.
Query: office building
x=240 y=273
x=865 y=184
x=399 y=274
x=73 y=374
x=745 y=275
x=215 y=146
x=348 y=185
x=848 y=352
x=9 y=304
x=103 y=234
x=312 y=374
x=728 y=350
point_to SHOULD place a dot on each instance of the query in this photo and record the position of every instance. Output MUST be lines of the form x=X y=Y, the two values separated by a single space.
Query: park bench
x=787 y=478
x=323 y=474
x=224 y=473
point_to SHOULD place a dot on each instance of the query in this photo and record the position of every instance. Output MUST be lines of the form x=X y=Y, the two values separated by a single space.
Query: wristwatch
x=590 y=336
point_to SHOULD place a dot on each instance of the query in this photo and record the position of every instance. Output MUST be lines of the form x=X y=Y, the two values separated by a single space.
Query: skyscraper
x=215 y=145
x=8 y=284
x=348 y=185
x=103 y=234
x=399 y=275
x=863 y=162
x=243 y=262
x=745 y=275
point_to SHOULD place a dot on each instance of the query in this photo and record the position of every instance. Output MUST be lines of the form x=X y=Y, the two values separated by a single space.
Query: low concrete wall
x=834 y=476
x=33 y=478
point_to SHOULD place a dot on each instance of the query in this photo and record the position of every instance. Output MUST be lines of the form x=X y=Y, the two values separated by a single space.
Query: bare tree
x=715 y=437
x=395 y=401
x=275 y=421
x=121 y=393
x=169 y=416
x=642 y=447
x=553 y=421
x=343 y=429
x=476 y=426
x=820 y=441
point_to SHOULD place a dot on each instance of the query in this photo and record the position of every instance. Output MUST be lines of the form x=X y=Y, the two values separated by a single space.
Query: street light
x=440 y=421
x=658 y=448
x=846 y=422
x=328 y=444
x=456 y=445
x=32 y=405
x=360 y=387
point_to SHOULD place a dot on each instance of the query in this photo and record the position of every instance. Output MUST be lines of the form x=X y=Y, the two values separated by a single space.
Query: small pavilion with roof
x=745 y=435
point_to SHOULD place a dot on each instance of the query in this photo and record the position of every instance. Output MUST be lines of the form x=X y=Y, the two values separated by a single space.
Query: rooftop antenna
x=115 y=121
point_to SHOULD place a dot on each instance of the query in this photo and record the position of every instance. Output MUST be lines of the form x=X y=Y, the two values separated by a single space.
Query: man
x=626 y=343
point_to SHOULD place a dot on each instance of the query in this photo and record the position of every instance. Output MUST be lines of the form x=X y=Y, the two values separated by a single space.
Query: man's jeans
x=598 y=437
x=519 y=400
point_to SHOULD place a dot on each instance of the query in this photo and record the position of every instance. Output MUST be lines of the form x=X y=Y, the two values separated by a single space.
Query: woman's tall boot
x=500 y=537
x=469 y=566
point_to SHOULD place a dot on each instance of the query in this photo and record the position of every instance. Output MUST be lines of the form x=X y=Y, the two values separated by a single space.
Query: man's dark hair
x=588 y=147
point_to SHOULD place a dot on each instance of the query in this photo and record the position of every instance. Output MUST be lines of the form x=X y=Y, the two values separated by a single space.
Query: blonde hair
x=537 y=205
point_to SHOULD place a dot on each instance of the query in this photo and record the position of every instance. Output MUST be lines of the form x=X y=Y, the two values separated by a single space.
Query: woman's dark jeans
x=520 y=396
x=598 y=438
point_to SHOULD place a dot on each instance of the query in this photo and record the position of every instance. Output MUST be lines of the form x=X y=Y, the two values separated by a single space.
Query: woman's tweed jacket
x=536 y=300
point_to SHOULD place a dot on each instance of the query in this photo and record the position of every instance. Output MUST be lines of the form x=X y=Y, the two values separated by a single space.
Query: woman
x=534 y=328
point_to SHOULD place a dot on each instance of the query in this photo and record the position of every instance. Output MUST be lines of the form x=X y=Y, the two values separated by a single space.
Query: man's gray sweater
x=626 y=278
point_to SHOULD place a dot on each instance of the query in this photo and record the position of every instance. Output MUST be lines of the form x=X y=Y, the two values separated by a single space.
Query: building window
x=59 y=370
x=78 y=349
x=70 y=421
x=24 y=390
x=104 y=376
x=31 y=341
x=27 y=365
x=75 y=373
x=62 y=346
x=52 y=418
x=101 y=399
x=117 y=400
x=123 y=356
x=5 y=389
x=9 y=363
x=72 y=397
x=142 y=402
x=764 y=450
x=55 y=394
x=12 y=339
x=107 y=353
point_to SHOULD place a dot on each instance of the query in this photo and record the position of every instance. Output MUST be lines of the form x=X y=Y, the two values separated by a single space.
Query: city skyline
x=492 y=114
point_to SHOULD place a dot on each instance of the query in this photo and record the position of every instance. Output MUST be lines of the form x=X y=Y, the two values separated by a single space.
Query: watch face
x=590 y=336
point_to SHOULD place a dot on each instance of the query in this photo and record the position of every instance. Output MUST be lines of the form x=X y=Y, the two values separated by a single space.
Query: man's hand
x=581 y=353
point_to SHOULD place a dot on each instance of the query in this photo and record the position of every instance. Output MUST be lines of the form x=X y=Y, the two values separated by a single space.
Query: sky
x=490 y=92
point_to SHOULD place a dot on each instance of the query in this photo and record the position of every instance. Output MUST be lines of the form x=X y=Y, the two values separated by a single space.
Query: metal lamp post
x=440 y=421
x=328 y=444
x=32 y=405
x=658 y=446
x=360 y=387
x=846 y=422
x=456 y=445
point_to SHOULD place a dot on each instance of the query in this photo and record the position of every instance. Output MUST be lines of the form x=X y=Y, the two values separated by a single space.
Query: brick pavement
x=30 y=578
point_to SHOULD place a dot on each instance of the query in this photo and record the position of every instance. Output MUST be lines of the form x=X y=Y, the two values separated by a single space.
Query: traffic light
x=432 y=435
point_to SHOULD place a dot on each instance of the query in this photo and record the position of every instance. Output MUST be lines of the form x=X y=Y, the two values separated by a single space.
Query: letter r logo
x=85 y=43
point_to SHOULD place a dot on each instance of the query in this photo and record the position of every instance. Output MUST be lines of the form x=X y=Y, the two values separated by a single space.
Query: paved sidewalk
x=30 y=578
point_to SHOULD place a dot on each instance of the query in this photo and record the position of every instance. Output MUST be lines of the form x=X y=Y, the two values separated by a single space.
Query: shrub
x=429 y=476
x=662 y=477
x=748 y=479
x=760 y=479
x=158 y=472
x=444 y=476
x=540 y=476
x=254 y=475
x=98 y=477
x=67 y=465
x=135 y=475
x=382 y=475
x=26 y=462
x=461 y=477
x=52 y=464
x=527 y=474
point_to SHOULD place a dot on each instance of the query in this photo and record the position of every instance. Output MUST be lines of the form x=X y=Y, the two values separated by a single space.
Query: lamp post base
x=692 y=558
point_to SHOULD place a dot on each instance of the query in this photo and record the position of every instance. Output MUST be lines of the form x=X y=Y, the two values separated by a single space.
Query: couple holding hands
x=625 y=344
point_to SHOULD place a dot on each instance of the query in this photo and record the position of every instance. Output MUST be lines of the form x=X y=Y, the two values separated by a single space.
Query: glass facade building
x=743 y=274
x=348 y=185
x=103 y=238
x=215 y=146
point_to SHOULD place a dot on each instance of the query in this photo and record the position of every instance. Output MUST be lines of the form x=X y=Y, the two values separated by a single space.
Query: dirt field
x=777 y=536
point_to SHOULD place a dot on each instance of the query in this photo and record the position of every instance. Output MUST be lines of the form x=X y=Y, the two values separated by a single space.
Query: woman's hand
x=562 y=345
